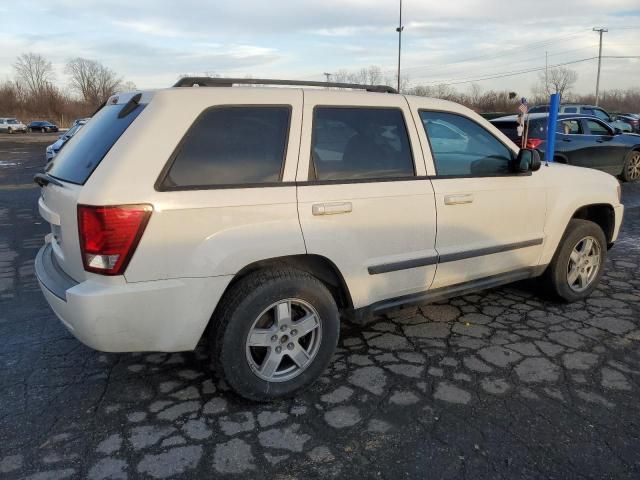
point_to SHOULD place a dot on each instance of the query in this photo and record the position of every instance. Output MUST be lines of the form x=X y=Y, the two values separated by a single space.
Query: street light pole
x=399 y=30
x=328 y=75
x=600 y=31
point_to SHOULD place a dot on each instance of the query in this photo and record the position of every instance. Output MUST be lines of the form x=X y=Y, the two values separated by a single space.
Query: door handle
x=458 y=199
x=599 y=141
x=331 y=208
x=566 y=139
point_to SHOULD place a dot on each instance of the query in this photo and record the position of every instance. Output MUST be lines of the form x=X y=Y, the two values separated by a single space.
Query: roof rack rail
x=229 y=82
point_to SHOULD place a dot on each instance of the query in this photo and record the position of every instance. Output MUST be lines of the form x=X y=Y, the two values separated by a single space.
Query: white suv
x=261 y=213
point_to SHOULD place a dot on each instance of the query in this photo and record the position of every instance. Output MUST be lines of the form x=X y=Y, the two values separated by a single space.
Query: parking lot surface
x=502 y=384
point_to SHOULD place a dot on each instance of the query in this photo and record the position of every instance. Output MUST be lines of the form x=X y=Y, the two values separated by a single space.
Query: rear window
x=509 y=128
x=84 y=152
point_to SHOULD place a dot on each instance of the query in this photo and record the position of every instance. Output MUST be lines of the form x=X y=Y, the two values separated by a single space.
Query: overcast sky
x=152 y=42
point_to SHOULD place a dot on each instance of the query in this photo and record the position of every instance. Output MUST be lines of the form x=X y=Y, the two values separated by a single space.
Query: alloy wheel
x=584 y=264
x=633 y=167
x=284 y=340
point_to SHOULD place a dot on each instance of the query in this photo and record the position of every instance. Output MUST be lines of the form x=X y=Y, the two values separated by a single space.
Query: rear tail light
x=110 y=235
x=533 y=142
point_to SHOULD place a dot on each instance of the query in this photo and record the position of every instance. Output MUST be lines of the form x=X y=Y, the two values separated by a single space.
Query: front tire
x=274 y=333
x=577 y=266
x=631 y=168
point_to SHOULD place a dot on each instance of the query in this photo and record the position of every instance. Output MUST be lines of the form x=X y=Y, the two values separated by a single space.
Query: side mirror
x=617 y=131
x=528 y=160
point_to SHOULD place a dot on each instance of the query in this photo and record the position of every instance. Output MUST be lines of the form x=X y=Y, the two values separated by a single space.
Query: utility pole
x=399 y=30
x=600 y=31
x=328 y=75
x=546 y=71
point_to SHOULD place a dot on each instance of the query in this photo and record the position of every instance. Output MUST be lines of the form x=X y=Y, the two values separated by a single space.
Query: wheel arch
x=601 y=214
x=317 y=265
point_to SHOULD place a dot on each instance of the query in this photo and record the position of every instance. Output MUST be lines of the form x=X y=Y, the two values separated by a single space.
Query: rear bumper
x=163 y=315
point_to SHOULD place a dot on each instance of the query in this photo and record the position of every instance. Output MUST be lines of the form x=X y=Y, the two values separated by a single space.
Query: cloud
x=152 y=41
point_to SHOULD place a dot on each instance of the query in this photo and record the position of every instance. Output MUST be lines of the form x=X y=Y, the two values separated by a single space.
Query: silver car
x=12 y=125
x=53 y=149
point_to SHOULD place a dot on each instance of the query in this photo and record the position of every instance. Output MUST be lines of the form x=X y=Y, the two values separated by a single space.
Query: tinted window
x=232 y=146
x=571 y=110
x=469 y=150
x=569 y=127
x=596 y=128
x=84 y=152
x=356 y=143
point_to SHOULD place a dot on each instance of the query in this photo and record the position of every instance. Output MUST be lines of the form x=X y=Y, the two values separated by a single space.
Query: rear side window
x=359 y=143
x=569 y=127
x=571 y=110
x=84 y=152
x=232 y=145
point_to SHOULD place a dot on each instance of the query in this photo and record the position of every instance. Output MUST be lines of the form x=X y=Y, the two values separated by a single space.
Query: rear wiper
x=44 y=179
x=130 y=106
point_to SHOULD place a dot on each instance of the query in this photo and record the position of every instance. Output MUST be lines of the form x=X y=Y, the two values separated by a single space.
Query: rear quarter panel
x=198 y=233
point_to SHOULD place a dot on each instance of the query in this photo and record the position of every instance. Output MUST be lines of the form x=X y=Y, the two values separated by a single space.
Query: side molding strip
x=449 y=257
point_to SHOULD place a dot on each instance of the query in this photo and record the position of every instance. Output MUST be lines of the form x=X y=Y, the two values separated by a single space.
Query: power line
x=529 y=59
x=520 y=72
x=516 y=50
x=508 y=74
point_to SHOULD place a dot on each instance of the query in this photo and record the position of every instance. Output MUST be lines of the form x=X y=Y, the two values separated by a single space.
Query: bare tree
x=34 y=72
x=92 y=80
x=558 y=80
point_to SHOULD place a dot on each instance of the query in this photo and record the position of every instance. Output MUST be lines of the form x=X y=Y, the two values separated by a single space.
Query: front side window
x=359 y=143
x=569 y=127
x=597 y=128
x=233 y=145
x=462 y=147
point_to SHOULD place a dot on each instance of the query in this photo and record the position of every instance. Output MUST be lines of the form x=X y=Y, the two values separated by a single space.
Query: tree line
x=556 y=80
x=32 y=93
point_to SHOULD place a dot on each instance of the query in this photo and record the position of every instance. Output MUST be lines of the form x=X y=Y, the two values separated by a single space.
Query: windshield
x=84 y=152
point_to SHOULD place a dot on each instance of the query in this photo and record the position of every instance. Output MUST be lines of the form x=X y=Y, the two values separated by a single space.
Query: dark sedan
x=581 y=140
x=42 y=126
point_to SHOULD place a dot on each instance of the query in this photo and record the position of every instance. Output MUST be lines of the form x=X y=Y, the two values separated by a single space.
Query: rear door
x=71 y=169
x=364 y=200
x=572 y=142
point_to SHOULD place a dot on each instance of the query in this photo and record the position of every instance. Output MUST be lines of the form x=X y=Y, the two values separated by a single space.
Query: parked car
x=255 y=226
x=12 y=125
x=42 y=126
x=582 y=140
x=631 y=118
x=53 y=149
x=575 y=108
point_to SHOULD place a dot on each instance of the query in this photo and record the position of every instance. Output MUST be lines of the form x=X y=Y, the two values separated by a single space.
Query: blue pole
x=554 y=106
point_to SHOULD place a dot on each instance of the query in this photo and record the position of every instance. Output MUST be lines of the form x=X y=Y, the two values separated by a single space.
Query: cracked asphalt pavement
x=501 y=384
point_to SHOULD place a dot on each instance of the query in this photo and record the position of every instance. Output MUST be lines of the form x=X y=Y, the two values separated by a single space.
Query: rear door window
x=231 y=146
x=84 y=152
x=351 y=143
x=569 y=127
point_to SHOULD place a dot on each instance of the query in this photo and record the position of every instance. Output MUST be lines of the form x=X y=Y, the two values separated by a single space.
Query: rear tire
x=578 y=264
x=252 y=331
x=631 y=168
